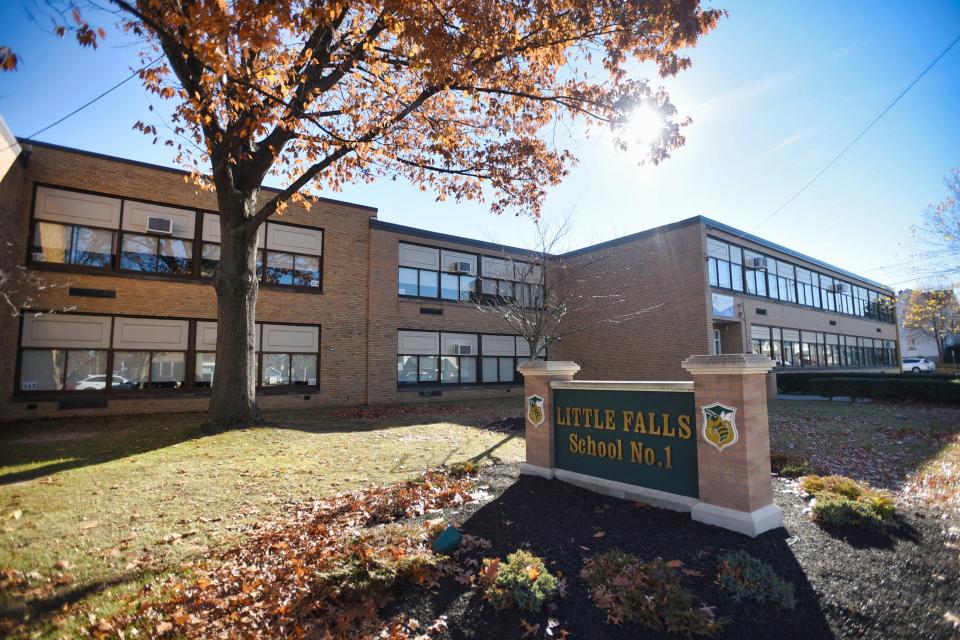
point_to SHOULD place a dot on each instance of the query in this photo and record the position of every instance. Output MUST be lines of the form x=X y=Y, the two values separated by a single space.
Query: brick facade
x=359 y=312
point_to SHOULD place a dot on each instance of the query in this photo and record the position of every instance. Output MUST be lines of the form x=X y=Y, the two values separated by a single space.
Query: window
x=203 y=370
x=72 y=244
x=42 y=369
x=452 y=358
x=760 y=341
x=154 y=254
x=428 y=284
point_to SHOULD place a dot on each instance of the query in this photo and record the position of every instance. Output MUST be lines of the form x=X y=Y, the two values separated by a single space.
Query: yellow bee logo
x=720 y=425
x=535 y=410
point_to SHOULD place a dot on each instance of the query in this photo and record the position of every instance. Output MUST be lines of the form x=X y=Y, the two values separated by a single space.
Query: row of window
x=127 y=354
x=795 y=348
x=423 y=283
x=82 y=230
x=429 y=272
x=420 y=361
x=739 y=269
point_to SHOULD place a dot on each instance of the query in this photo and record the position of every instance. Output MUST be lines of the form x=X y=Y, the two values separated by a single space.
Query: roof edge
x=376 y=223
x=160 y=167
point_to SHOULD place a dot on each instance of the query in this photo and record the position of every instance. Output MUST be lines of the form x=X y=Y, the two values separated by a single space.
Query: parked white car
x=917 y=365
x=100 y=382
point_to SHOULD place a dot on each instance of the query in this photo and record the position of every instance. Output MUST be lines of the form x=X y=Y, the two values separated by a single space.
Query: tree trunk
x=233 y=398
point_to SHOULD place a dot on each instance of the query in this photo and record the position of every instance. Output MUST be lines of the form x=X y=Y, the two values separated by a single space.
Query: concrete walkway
x=801 y=396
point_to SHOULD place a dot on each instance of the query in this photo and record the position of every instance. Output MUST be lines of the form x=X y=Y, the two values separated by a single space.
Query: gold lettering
x=636 y=452
x=609 y=417
x=668 y=431
x=627 y=420
x=560 y=422
x=574 y=445
x=684 y=422
x=641 y=426
x=619 y=449
x=576 y=416
x=654 y=430
x=596 y=419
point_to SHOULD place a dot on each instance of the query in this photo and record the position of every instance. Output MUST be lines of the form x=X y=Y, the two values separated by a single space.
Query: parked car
x=917 y=365
x=100 y=382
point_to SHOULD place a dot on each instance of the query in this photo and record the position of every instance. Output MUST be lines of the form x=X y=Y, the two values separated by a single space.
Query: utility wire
x=859 y=135
x=84 y=106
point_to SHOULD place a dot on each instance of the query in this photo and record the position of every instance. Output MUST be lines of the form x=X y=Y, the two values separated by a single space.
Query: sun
x=644 y=126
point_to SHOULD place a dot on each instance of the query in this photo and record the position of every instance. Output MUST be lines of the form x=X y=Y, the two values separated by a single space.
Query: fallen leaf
x=599 y=534
x=529 y=630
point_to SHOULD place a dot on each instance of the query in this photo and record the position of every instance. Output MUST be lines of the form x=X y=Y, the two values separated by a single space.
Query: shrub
x=748 y=578
x=842 y=502
x=799 y=382
x=842 y=513
x=789 y=466
x=522 y=581
x=891 y=389
x=649 y=594
x=840 y=485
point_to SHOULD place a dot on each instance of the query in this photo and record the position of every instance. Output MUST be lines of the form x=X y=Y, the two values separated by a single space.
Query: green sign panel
x=643 y=438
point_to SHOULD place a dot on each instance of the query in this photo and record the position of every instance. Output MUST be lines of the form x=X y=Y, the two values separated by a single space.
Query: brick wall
x=661 y=272
x=389 y=312
x=340 y=309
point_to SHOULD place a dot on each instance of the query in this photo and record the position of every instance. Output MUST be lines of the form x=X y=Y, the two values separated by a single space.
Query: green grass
x=882 y=444
x=111 y=502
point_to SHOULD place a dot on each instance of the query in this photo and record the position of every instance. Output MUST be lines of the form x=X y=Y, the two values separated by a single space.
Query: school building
x=355 y=310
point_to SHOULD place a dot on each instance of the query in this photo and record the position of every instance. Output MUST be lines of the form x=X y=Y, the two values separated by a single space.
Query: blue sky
x=775 y=92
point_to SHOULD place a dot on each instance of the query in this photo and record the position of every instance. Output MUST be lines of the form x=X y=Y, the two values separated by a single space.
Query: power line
x=859 y=135
x=87 y=104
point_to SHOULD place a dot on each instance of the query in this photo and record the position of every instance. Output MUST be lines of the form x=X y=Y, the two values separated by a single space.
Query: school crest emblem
x=720 y=425
x=535 y=410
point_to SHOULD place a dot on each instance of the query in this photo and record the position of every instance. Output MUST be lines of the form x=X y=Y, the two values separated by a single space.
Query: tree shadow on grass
x=47 y=447
x=17 y=611
x=564 y=525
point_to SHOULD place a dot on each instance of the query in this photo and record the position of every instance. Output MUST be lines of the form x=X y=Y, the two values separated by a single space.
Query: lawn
x=93 y=507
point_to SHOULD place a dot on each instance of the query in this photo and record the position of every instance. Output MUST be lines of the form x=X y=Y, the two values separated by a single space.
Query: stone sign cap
x=728 y=363
x=549 y=368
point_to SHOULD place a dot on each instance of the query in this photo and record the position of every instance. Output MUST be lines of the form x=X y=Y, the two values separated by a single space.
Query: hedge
x=891 y=388
x=799 y=382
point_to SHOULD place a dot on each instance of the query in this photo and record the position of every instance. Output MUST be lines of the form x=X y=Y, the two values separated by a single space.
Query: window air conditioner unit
x=757 y=263
x=462 y=267
x=463 y=350
x=839 y=287
x=159 y=225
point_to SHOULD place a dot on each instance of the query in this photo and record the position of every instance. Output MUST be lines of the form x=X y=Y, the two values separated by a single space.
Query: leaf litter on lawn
x=323 y=568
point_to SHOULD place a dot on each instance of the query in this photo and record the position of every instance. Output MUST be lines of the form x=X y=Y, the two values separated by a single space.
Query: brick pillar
x=734 y=469
x=771 y=386
x=537 y=376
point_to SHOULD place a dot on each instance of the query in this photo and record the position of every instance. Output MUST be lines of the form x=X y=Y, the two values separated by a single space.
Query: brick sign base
x=701 y=447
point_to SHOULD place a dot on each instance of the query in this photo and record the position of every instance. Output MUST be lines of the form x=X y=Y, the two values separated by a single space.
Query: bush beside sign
x=641 y=438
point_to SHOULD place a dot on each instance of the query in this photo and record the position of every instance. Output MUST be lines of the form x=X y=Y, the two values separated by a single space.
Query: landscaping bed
x=899 y=584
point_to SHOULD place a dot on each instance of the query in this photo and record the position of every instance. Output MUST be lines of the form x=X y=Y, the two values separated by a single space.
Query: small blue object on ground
x=447 y=541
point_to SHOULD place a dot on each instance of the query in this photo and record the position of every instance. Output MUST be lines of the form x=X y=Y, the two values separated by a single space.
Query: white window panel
x=294 y=239
x=499 y=345
x=211 y=229
x=66 y=330
x=153 y=334
x=412 y=255
x=426 y=343
x=449 y=342
x=523 y=349
x=718 y=249
x=497 y=268
x=449 y=260
x=77 y=208
x=207 y=336
x=280 y=338
x=136 y=214
x=529 y=273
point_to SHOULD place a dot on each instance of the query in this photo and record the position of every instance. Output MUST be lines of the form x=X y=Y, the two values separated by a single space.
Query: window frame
x=189 y=384
x=821 y=298
x=194 y=273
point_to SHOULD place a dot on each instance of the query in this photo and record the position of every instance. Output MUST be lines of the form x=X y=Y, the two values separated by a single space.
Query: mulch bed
x=883 y=586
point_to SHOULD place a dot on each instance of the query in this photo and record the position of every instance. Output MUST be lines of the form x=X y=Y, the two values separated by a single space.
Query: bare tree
x=546 y=294
x=19 y=288
x=939 y=232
